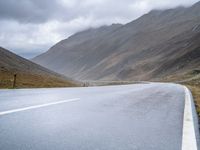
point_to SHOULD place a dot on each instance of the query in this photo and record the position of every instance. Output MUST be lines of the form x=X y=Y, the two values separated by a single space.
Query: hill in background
x=28 y=74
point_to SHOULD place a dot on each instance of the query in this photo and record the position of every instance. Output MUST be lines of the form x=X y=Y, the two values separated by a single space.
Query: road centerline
x=37 y=106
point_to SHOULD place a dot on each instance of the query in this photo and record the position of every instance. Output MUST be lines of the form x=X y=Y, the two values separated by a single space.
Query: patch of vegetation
x=195 y=72
x=196 y=95
x=27 y=80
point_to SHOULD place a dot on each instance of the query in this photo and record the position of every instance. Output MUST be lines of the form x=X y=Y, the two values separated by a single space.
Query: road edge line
x=190 y=138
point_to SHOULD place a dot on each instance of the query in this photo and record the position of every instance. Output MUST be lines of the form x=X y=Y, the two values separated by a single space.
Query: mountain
x=28 y=74
x=158 y=44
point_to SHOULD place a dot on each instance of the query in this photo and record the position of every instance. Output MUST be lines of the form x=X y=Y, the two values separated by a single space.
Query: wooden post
x=14 y=81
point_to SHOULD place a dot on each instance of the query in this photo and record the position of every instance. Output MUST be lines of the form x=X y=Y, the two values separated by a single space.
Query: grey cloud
x=40 y=11
x=32 y=26
x=33 y=11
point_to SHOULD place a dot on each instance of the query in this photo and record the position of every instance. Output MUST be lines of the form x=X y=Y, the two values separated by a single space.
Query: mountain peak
x=196 y=4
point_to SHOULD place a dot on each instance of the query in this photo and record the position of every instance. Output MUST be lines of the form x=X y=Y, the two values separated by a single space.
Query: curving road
x=126 y=117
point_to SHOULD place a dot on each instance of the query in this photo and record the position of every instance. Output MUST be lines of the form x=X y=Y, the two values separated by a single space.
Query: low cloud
x=30 y=27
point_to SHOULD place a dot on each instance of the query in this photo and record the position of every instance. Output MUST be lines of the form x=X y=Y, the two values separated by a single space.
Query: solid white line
x=189 y=141
x=37 y=106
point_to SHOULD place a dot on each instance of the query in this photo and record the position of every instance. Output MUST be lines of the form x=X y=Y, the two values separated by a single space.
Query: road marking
x=37 y=106
x=189 y=141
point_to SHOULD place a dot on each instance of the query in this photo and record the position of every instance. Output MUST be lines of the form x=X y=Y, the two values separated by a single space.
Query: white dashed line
x=37 y=106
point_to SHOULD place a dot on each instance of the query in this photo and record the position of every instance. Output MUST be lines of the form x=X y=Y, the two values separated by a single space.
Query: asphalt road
x=126 y=117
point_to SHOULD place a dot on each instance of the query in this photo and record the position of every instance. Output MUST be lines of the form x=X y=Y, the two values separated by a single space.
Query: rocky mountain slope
x=28 y=74
x=156 y=45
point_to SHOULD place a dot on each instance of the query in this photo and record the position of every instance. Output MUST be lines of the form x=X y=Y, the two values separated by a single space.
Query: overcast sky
x=30 y=27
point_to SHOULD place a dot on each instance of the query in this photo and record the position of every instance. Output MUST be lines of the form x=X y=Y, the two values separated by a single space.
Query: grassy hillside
x=28 y=74
x=27 y=80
